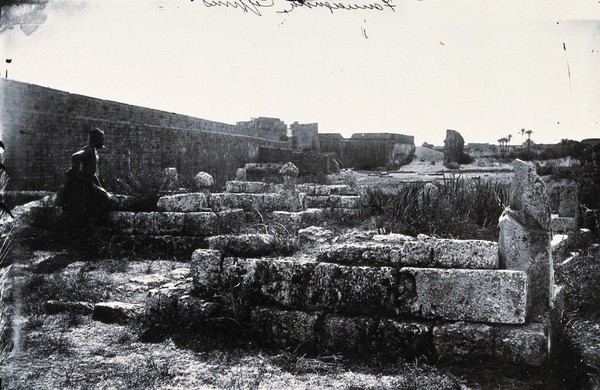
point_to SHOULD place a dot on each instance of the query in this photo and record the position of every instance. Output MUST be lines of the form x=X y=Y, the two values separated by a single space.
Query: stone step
x=428 y=252
x=494 y=296
x=206 y=223
x=145 y=246
x=265 y=202
x=330 y=332
x=390 y=338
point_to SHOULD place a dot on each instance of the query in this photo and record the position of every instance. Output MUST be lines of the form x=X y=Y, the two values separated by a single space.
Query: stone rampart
x=370 y=151
x=44 y=127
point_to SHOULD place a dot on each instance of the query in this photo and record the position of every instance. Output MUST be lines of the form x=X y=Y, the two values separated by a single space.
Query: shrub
x=145 y=188
x=460 y=208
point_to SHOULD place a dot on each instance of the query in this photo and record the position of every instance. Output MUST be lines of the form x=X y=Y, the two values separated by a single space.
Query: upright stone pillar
x=524 y=242
x=293 y=200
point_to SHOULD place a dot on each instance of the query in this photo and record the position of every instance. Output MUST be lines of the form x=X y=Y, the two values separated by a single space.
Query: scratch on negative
x=568 y=67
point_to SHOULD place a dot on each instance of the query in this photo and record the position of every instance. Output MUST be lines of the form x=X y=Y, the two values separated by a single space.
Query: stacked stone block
x=366 y=298
x=391 y=295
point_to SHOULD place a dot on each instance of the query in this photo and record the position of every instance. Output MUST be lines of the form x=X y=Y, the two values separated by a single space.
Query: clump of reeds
x=458 y=207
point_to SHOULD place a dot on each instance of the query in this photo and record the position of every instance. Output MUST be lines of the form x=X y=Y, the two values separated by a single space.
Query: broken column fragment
x=524 y=241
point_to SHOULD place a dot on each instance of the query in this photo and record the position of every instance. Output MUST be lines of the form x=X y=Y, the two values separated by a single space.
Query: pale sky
x=484 y=68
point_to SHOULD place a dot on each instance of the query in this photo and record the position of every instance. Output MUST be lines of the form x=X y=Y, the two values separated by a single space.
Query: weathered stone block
x=240 y=174
x=308 y=285
x=564 y=198
x=273 y=202
x=311 y=217
x=353 y=290
x=169 y=223
x=216 y=202
x=206 y=270
x=196 y=201
x=231 y=221
x=525 y=249
x=315 y=234
x=144 y=223
x=345 y=201
x=563 y=224
x=248 y=245
x=290 y=220
x=203 y=181
x=348 y=334
x=408 y=339
x=122 y=221
x=526 y=344
x=245 y=201
x=251 y=187
x=116 y=312
x=392 y=238
x=361 y=253
x=463 y=340
x=201 y=224
x=446 y=253
x=496 y=296
x=529 y=198
x=439 y=253
x=185 y=245
x=314 y=189
x=285 y=328
x=341 y=189
x=317 y=201
x=193 y=311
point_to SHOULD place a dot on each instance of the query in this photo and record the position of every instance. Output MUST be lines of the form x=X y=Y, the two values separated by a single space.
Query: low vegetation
x=457 y=207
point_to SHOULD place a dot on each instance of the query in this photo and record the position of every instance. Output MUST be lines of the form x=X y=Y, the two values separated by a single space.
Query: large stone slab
x=523 y=344
x=231 y=221
x=251 y=245
x=463 y=340
x=496 y=296
x=252 y=187
x=196 y=201
x=317 y=201
x=201 y=224
x=436 y=253
x=168 y=223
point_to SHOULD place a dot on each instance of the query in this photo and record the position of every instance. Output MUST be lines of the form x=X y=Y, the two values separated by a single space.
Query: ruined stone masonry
x=390 y=295
x=44 y=127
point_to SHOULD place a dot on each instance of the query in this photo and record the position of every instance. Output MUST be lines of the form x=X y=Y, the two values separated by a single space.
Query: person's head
x=97 y=138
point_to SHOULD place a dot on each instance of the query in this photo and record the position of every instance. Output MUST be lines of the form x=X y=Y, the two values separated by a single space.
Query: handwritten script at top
x=287 y=6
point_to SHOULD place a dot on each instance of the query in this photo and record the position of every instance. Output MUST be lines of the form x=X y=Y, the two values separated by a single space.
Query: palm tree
x=503 y=142
x=528 y=132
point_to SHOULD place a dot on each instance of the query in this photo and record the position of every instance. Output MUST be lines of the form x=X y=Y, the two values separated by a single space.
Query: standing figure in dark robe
x=82 y=197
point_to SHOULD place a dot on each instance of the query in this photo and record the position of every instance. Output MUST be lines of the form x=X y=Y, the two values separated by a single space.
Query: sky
x=484 y=68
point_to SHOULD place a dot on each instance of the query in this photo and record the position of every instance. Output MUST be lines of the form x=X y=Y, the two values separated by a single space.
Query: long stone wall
x=42 y=127
x=370 y=151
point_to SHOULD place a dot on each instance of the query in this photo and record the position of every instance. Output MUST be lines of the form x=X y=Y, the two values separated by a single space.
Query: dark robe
x=82 y=196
